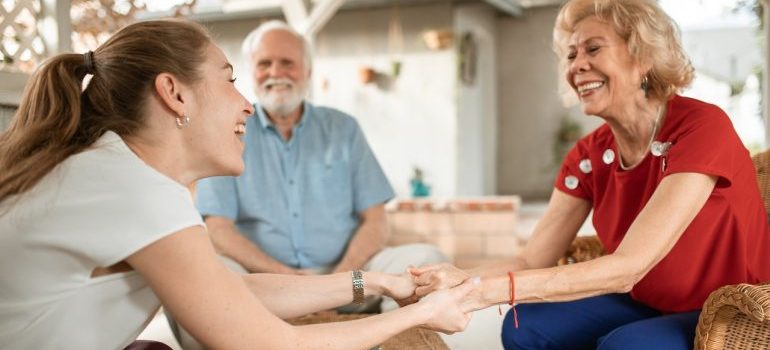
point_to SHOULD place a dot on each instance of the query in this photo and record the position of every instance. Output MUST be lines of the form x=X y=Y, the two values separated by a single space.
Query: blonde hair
x=56 y=120
x=652 y=36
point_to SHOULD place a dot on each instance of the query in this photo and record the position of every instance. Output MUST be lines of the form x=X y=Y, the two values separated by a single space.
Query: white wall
x=477 y=104
x=409 y=120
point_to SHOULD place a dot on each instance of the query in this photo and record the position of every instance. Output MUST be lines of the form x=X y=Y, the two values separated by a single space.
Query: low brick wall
x=468 y=230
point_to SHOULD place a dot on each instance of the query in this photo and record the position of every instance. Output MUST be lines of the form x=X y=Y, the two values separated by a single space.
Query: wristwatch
x=358 y=287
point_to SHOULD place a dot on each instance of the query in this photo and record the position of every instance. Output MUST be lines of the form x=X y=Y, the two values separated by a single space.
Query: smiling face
x=218 y=118
x=280 y=73
x=600 y=68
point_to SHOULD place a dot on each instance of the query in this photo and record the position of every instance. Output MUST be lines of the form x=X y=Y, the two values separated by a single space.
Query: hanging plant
x=567 y=134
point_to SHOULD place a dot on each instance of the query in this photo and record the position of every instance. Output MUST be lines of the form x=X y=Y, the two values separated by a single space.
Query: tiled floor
x=482 y=333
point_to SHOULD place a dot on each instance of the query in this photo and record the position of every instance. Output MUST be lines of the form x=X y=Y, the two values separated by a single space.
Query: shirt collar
x=265 y=122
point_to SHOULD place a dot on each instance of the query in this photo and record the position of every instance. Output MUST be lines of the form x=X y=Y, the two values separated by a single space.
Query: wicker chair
x=734 y=316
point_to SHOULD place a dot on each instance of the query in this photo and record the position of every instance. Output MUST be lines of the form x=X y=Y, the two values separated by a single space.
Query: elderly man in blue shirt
x=311 y=198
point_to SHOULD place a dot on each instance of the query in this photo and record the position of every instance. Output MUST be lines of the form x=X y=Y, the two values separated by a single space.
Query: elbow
x=625 y=283
x=623 y=287
x=631 y=275
x=219 y=247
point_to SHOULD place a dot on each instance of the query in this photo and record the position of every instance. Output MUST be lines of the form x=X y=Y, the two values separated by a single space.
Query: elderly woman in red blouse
x=672 y=188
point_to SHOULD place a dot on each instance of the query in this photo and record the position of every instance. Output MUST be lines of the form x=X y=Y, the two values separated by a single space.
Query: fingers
x=449 y=316
x=427 y=278
x=423 y=290
x=430 y=282
x=468 y=286
x=406 y=301
x=408 y=272
x=457 y=327
x=468 y=317
x=471 y=300
x=416 y=271
x=433 y=281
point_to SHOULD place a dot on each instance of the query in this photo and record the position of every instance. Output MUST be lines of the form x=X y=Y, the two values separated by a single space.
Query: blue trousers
x=613 y=321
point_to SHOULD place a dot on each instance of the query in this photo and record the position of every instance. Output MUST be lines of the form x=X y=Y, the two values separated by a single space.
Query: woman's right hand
x=431 y=278
x=448 y=313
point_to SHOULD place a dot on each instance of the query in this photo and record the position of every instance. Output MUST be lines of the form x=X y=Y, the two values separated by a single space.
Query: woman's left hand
x=400 y=288
x=430 y=278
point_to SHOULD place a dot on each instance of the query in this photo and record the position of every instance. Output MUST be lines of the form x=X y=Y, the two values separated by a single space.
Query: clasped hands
x=452 y=294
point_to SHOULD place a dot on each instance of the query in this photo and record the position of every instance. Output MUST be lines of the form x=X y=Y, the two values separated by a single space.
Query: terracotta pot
x=366 y=74
x=438 y=39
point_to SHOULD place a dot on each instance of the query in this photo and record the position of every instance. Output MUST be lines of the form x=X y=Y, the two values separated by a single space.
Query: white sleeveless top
x=93 y=210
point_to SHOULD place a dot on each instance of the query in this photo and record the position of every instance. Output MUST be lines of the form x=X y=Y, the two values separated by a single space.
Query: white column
x=55 y=26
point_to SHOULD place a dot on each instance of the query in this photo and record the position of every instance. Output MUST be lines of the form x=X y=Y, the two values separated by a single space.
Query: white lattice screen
x=21 y=47
x=93 y=21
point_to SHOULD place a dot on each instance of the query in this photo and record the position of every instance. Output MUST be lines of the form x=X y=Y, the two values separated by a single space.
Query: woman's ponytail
x=42 y=131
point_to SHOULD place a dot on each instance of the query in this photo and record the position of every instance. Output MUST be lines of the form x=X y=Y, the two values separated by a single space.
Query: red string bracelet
x=513 y=297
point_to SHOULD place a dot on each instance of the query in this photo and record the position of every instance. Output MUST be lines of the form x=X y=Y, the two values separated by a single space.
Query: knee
x=619 y=338
x=628 y=337
x=526 y=336
x=422 y=254
x=233 y=265
x=510 y=335
x=668 y=332
x=397 y=259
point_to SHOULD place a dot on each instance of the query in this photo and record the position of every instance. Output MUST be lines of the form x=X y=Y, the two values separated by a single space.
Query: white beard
x=282 y=103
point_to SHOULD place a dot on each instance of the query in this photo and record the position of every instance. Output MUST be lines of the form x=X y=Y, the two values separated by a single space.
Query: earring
x=645 y=85
x=182 y=122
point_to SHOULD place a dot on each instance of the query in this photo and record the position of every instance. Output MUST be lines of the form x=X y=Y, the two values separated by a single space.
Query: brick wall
x=469 y=231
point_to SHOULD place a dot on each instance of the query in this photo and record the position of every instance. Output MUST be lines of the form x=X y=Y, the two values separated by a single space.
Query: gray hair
x=253 y=40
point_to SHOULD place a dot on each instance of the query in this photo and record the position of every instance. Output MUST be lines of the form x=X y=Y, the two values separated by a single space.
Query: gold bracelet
x=358 y=287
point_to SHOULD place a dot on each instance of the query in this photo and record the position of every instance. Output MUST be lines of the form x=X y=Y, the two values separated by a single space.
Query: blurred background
x=460 y=100
x=466 y=92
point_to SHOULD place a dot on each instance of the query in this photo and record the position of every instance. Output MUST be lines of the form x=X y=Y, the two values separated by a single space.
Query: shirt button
x=571 y=182
x=585 y=166
x=608 y=157
x=286 y=149
x=291 y=182
x=295 y=215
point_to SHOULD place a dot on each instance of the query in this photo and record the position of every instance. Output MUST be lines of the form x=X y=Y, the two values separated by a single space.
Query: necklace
x=649 y=144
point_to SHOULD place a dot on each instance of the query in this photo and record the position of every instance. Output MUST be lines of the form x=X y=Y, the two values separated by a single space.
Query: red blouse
x=727 y=242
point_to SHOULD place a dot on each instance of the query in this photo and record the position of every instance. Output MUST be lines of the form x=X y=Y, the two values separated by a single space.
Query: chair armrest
x=725 y=305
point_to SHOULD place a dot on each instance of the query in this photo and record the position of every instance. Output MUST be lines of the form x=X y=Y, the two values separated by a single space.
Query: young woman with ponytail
x=97 y=228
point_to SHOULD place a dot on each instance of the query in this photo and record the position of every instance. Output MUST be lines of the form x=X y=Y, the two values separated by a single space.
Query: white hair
x=254 y=39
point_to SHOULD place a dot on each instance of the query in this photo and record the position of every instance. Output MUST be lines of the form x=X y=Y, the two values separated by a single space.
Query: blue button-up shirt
x=299 y=200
